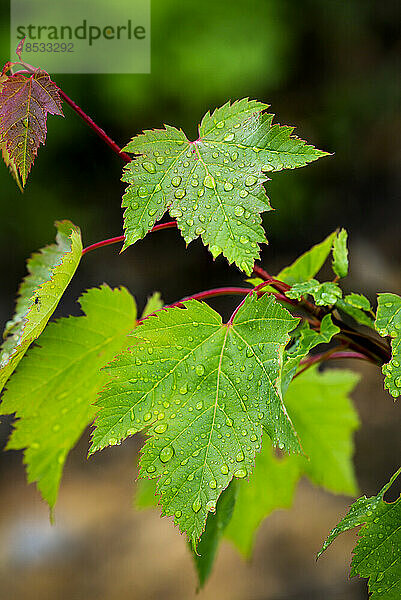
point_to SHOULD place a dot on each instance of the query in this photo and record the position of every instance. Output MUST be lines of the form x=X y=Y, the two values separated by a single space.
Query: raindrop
x=161 y=428
x=228 y=186
x=147 y=417
x=199 y=370
x=199 y=405
x=220 y=125
x=166 y=454
x=179 y=193
x=213 y=484
x=149 y=167
x=238 y=211
x=151 y=469
x=196 y=505
x=229 y=137
x=240 y=473
x=176 y=181
x=250 y=180
x=224 y=469
x=209 y=182
x=160 y=160
x=240 y=456
x=142 y=192
x=176 y=212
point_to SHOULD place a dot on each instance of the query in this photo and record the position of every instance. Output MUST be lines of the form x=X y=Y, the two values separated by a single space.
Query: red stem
x=330 y=355
x=255 y=289
x=120 y=238
x=100 y=132
x=279 y=285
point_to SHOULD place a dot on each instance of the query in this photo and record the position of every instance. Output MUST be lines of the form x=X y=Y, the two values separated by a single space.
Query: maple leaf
x=54 y=387
x=388 y=323
x=49 y=272
x=377 y=554
x=204 y=390
x=24 y=105
x=214 y=185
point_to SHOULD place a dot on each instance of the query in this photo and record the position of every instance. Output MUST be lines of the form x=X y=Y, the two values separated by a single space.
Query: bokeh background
x=330 y=67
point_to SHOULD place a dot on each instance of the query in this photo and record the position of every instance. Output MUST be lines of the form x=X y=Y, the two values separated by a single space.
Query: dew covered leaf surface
x=377 y=554
x=388 y=323
x=55 y=386
x=49 y=272
x=213 y=186
x=203 y=391
x=25 y=103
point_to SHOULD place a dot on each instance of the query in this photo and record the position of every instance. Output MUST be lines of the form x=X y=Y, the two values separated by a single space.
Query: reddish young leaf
x=6 y=157
x=24 y=104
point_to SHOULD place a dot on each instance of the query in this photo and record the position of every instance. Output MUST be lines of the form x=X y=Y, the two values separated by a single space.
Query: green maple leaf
x=49 y=272
x=214 y=185
x=271 y=487
x=53 y=389
x=377 y=554
x=340 y=254
x=354 y=305
x=324 y=294
x=203 y=389
x=323 y=415
x=388 y=323
x=325 y=419
x=309 y=263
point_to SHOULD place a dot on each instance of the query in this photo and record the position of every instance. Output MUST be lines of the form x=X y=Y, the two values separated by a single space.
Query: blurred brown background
x=330 y=67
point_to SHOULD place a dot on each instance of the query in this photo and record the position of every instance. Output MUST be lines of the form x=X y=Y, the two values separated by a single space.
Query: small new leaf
x=214 y=185
x=53 y=389
x=271 y=486
x=204 y=390
x=24 y=105
x=324 y=294
x=377 y=554
x=388 y=323
x=340 y=254
x=49 y=272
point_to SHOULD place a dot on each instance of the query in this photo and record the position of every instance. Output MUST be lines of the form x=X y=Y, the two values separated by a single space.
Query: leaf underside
x=203 y=390
x=213 y=186
x=24 y=105
x=55 y=386
x=49 y=272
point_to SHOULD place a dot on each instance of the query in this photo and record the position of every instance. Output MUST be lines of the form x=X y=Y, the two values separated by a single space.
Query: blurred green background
x=330 y=67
